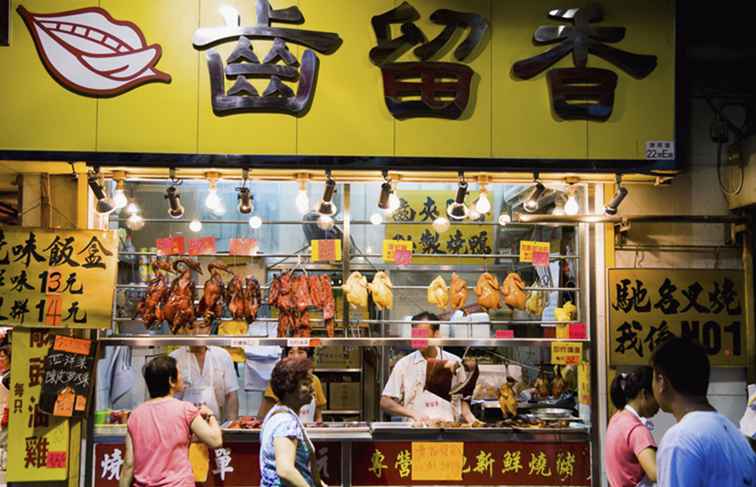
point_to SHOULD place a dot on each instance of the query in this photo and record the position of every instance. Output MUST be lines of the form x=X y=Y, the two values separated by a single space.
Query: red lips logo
x=91 y=53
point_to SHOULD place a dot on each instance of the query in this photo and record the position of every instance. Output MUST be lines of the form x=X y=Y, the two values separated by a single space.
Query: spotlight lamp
x=104 y=204
x=175 y=209
x=326 y=206
x=619 y=195
x=533 y=202
x=457 y=210
x=245 y=195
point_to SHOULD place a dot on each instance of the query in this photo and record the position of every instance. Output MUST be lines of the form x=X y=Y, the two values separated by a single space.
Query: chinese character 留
x=444 y=88
x=279 y=63
x=582 y=93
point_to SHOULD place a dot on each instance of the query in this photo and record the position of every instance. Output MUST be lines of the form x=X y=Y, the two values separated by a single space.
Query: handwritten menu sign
x=52 y=278
x=67 y=380
x=647 y=306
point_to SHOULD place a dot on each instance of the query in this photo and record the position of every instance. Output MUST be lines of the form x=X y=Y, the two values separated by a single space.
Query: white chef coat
x=209 y=386
x=407 y=381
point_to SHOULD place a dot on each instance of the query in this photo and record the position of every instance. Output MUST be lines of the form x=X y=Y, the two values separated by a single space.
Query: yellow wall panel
x=470 y=135
x=523 y=123
x=349 y=94
x=164 y=115
x=643 y=109
x=36 y=112
x=243 y=133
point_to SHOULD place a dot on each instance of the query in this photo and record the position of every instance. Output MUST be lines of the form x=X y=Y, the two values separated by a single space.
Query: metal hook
x=172 y=175
x=716 y=258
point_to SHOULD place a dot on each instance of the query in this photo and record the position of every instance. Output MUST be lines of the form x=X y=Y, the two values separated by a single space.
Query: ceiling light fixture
x=255 y=222
x=326 y=206
x=483 y=204
x=383 y=199
x=213 y=201
x=195 y=225
x=302 y=200
x=571 y=207
x=533 y=202
x=104 y=205
x=132 y=208
x=119 y=195
x=441 y=224
x=245 y=197
x=619 y=195
x=457 y=210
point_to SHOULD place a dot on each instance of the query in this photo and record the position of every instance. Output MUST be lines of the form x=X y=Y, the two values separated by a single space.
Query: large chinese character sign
x=444 y=88
x=278 y=64
x=91 y=53
x=582 y=92
x=57 y=279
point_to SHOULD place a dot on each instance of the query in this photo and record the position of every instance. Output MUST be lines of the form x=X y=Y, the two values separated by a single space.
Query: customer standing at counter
x=159 y=431
x=405 y=392
x=704 y=448
x=630 y=447
x=209 y=376
x=310 y=412
x=287 y=456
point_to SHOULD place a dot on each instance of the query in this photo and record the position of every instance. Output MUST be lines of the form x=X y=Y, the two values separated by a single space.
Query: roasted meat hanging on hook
x=457 y=292
x=288 y=296
x=513 y=290
x=150 y=308
x=211 y=303
x=321 y=293
x=487 y=290
x=236 y=298
x=252 y=298
x=179 y=308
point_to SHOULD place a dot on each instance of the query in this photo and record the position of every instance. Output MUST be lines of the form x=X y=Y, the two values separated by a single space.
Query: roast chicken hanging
x=507 y=400
x=381 y=291
x=457 y=292
x=487 y=290
x=179 y=308
x=513 y=290
x=150 y=308
x=438 y=293
x=356 y=289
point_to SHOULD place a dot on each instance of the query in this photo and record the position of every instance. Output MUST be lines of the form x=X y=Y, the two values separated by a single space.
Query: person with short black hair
x=310 y=412
x=287 y=456
x=159 y=431
x=406 y=394
x=630 y=451
x=704 y=448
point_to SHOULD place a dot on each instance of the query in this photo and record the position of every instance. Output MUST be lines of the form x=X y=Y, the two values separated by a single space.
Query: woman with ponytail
x=630 y=448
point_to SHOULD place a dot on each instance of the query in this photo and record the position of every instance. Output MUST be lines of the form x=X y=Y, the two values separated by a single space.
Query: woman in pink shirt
x=160 y=430
x=630 y=448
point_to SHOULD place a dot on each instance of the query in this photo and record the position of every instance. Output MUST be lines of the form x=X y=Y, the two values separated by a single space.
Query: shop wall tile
x=469 y=136
x=38 y=113
x=348 y=115
x=643 y=109
x=156 y=117
x=523 y=123
x=244 y=133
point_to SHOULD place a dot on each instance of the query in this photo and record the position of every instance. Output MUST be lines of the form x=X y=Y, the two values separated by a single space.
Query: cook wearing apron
x=212 y=384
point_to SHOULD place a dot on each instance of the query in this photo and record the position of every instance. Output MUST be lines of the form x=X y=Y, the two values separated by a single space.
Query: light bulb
x=504 y=219
x=195 y=225
x=255 y=222
x=213 y=201
x=483 y=205
x=135 y=222
x=132 y=208
x=120 y=199
x=376 y=219
x=302 y=201
x=441 y=224
x=571 y=207
x=472 y=213
x=394 y=202
x=325 y=222
x=558 y=211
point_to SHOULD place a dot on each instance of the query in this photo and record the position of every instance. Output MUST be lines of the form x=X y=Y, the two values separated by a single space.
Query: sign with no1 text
x=646 y=306
x=57 y=278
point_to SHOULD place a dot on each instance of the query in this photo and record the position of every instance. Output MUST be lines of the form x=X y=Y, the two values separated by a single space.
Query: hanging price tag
x=202 y=246
x=298 y=342
x=242 y=246
x=528 y=247
x=402 y=257
x=325 y=250
x=170 y=246
x=390 y=248
x=566 y=353
x=504 y=333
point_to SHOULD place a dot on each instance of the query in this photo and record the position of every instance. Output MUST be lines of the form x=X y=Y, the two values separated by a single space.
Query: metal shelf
x=365 y=256
x=326 y=370
x=399 y=322
x=235 y=341
x=350 y=412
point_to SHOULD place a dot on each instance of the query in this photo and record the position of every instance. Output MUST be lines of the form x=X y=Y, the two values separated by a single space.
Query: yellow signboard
x=437 y=460
x=57 y=279
x=37 y=442
x=413 y=222
x=646 y=306
x=566 y=353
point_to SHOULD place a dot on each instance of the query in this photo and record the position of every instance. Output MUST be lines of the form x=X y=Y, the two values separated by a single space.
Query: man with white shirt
x=405 y=393
x=209 y=376
x=704 y=448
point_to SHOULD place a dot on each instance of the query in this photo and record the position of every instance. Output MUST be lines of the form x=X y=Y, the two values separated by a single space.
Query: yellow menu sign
x=437 y=460
x=566 y=353
x=529 y=247
x=38 y=443
x=57 y=278
x=391 y=246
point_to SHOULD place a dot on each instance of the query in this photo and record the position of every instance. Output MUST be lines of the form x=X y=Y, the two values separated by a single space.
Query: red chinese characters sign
x=563 y=463
x=236 y=464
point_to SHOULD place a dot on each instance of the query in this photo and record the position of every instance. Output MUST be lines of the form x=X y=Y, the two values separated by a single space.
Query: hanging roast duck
x=179 y=308
x=211 y=303
x=150 y=308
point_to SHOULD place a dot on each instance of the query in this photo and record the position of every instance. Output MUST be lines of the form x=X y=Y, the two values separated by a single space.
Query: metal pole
x=747 y=242
x=346 y=250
